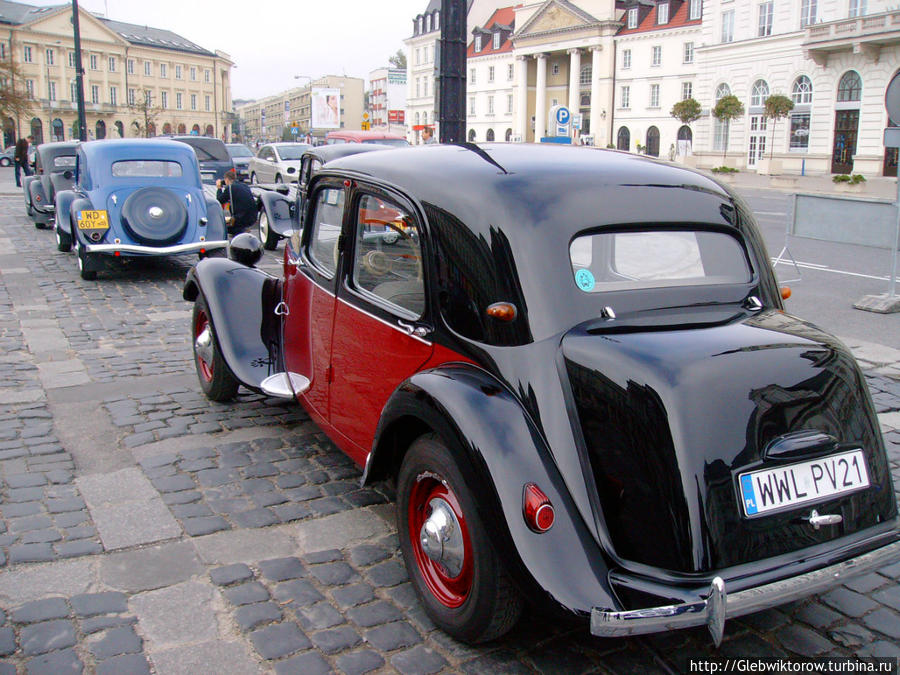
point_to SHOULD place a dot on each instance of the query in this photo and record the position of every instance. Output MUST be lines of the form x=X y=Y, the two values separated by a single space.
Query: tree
x=727 y=108
x=398 y=60
x=15 y=100
x=686 y=111
x=777 y=107
x=147 y=113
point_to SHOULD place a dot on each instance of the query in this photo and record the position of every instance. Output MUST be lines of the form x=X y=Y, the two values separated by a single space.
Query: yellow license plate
x=93 y=220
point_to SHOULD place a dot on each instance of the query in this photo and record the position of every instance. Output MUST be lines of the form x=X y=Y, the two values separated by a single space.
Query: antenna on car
x=481 y=153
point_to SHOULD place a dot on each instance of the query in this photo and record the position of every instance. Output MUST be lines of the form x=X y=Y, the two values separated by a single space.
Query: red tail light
x=116 y=254
x=537 y=509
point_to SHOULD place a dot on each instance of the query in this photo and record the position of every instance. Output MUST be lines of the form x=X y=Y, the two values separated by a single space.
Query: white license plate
x=769 y=490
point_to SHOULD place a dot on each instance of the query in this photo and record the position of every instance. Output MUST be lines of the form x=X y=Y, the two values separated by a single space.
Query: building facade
x=138 y=80
x=491 y=79
x=387 y=99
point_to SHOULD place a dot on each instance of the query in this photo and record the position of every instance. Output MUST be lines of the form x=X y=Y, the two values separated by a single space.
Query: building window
x=93 y=61
x=765 y=19
x=112 y=64
x=554 y=69
x=193 y=101
x=206 y=103
x=147 y=67
x=654 y=95
x=418 y=88
x=178 y=100
x=808 y=11
x=688 y=52
x=131 y=97
x=728 y=26
x=626 y=96
x=2 y=51
x=656 y=56
x=95 y=93
x=163 y=70
x=418 y=56
x=662 y=13
x=437 y=20
x=496 y=40
x=858 y=8
x=510 y=72
x=632 y=17
x=113 y=96
x=800 y=132
x=177 y=72
x=850 y=87
x=687 y=90
x=509 y=104
x=129 y=66
x=163 y=101
x=720 y=128
x=472 y=106
x=696 y=10
x=29 y=88
x=428 y=23
x=206 y=76
x=193 y=74
x=71 y=59
x=490 y=105
x=425 y=86
x=49 y=55
x=477 y=43
x=490 y=73
x=148 y=97
x=626 y=59
x=26 y=54
x=51 y=91
x=801 y=93
x=587 y=74
x=471 y=76
x=73 y=91
x=759 y=94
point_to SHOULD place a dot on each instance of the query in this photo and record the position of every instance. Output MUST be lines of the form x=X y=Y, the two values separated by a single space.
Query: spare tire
x=154 y=215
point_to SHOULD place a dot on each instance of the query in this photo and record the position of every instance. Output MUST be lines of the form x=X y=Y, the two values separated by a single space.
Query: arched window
x=37 y=130
x=587 y=74
x=653 y=142
x=120 y=129
x=209 y=131
x=489 y=136
x=685 y=134
x=57 y=131
x=759 y=93
x=417 y=119
x=9 y=132
x=471 y=135
x=100 y=130
x=181 y=128
x=167 y=129
x=801 y=92
x=508 y=135
x=623 y=139
x=195 y=130
x=151 y=130
x=850 y=87
x=722 y=91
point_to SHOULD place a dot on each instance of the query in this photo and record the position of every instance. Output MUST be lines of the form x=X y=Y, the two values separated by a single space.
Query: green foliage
x=727 y=108
x=724 y=169
x=686 y=111
x=14 y=99
x=398 y=60
x=777 y=107
x=855 y=179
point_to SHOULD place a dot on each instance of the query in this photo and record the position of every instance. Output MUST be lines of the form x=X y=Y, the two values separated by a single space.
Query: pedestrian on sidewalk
x=20 y=157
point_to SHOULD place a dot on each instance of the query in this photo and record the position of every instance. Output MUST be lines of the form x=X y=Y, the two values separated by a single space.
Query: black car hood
x=670 y=417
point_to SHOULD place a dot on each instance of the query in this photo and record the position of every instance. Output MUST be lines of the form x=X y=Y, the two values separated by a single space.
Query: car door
x=381 y=335
x=269 y=165
x=309 y=294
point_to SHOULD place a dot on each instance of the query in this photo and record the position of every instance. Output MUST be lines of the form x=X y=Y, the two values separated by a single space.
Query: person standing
x=240 y=200
x=20 y=157
x=428 y=136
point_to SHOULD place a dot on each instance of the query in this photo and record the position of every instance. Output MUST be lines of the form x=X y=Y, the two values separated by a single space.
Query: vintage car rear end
x=54 y=172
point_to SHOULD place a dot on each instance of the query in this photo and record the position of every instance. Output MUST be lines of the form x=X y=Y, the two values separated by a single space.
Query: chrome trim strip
x=710 y=610
x=157 y=250
x=396 y=327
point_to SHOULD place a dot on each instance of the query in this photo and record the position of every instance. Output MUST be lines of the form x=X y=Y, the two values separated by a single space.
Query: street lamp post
x=79 y=74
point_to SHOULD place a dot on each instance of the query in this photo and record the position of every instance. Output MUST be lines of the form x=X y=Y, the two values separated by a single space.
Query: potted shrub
x=686 y=111
x=727 y=108
x=849 y=183
x=778 y=106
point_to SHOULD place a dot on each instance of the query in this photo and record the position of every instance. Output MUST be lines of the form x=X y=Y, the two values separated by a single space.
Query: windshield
x=292 y=151
x=146 y=168
x=240 y=151
x=656 y=258
x=398 y=142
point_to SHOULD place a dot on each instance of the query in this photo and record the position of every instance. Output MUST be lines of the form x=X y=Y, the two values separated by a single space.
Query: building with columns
x=490 y=79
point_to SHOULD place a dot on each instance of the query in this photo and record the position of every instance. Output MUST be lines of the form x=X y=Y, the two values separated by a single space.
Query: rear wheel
x=63 y=241
x=278 y=178
x=266 y=235
x=4 y=161
x=216 y=380
x=456 y=573
x=83 y=263
x=253 y=179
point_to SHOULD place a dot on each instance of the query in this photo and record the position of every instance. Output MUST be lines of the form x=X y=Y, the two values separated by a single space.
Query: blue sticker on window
x=585 y=280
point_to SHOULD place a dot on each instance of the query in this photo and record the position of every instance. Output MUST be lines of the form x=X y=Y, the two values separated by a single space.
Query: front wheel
x=266 y=235
x=456 y=572
x=4 y=161
x=83 y=266
x=216 y=379
x=278 y=179
x=63 y=241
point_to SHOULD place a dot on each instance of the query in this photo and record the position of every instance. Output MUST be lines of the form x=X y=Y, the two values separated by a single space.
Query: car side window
x=326 y=228
x=387 y=262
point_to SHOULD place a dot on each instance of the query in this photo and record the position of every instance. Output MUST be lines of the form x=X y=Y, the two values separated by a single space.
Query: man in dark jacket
x=239 y=199
x=20 y=157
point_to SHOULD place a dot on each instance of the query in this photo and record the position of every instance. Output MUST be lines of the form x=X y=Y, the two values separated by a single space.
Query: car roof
x=52 y=150
x=363 y=135
x=328 y=153
x=139 y=148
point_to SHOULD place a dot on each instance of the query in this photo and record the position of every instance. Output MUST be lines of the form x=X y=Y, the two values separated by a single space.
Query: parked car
x=8 y=156
x=277 y=163
x=136 y=197
x=54 y=170
x=241 y=156
x=380 y=137
x=280 y=208
x=212 y=154
x=577 y=368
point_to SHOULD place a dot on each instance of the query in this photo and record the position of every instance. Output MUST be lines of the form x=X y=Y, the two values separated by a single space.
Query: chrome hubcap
x=263 y=226
x=203 y=345
x=441 y=537
x=155 y=212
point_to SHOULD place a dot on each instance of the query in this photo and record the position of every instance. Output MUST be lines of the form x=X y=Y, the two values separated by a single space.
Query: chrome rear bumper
x=193 y=247
x=717 y=605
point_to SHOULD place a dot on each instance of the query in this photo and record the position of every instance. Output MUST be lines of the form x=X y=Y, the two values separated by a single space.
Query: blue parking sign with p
x=562 y=116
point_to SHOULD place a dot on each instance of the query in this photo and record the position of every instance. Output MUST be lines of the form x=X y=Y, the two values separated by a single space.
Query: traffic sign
x=294 y=131
x=365 y=117
x=560 y=118
x=365 y=126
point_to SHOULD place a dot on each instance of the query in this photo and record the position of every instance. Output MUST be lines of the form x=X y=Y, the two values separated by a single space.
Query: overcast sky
x=270 y=41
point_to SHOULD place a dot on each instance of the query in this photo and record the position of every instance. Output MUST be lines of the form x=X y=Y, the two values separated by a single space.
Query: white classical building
x=421 y=50
x=490 y=79
x=387 y=99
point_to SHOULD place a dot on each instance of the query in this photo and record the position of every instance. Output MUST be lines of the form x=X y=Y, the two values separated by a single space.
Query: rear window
x=398 y=142
x=208 y=149
x=656 y=258
x=64 y=161
x=146 y=168
x=292 y=151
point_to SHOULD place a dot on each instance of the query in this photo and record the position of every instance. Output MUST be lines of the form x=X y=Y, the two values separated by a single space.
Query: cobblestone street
x=144 y=528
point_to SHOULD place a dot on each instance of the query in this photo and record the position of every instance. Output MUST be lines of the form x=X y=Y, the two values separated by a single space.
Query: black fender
x=499 y=450
x=26 y=188
x=278 y=211
x=37 y=194
x=78 y=204
x=64 y=200
x=215 y=221
x=241 y=302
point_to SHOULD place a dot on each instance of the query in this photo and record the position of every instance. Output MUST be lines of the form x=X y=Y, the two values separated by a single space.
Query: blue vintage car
x=136 y=198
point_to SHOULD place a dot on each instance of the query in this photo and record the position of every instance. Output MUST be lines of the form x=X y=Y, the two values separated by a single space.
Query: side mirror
x=245 y=249
x=68 y=175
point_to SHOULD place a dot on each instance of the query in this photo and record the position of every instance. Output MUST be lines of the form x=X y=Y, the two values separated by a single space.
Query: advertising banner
x=396 y=116
x=326 y=108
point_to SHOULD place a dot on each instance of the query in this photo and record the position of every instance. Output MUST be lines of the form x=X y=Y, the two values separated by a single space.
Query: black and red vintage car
x=577 y=368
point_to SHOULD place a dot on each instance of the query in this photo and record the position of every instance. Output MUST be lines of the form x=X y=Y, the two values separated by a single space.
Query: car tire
x=480 y=602
x=63 y=241
x=83 y=257
x=268 y=238
x=4 y=161
x=215 y=378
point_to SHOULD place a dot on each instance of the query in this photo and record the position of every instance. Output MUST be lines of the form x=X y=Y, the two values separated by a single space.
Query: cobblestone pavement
x=146 y=529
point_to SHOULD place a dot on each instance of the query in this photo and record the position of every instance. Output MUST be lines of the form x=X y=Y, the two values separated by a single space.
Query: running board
x=284 y=385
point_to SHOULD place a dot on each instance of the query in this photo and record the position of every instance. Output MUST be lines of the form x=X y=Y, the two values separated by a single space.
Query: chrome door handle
x=411 y=329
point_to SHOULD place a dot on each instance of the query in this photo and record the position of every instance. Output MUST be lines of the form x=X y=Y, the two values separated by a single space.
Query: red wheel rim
x=449 y=591
x=204 y=367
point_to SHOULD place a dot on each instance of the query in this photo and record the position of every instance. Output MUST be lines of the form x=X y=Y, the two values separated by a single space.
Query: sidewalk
x=876 y=187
